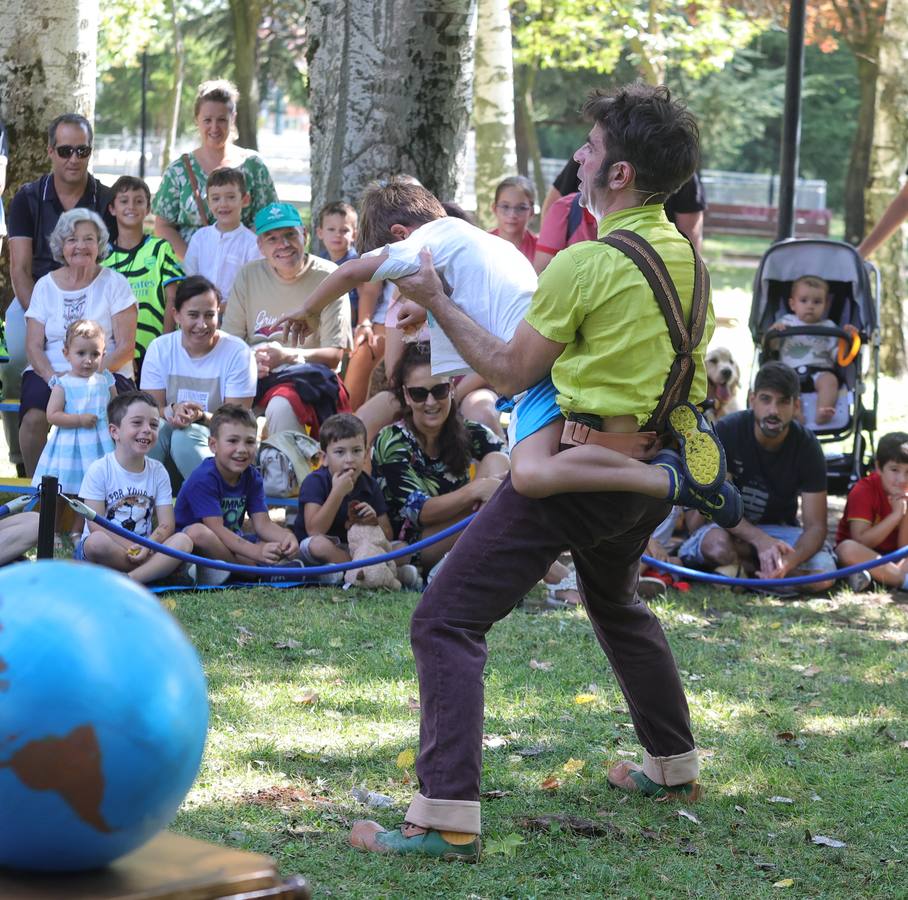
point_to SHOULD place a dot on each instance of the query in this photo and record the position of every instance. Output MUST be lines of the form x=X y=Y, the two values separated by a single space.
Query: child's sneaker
x=408 y=576
x=722 y=506
x=206 y=576
x=859 y=581
x=702 y=454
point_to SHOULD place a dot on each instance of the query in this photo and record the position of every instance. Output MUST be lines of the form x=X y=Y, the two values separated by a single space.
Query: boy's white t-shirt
x=229 y=370
x=486 y=276
x=219 y=255
x=129 y=498
x=57 y=309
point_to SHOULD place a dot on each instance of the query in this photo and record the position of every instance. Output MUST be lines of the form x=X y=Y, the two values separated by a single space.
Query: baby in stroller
x=812 y=356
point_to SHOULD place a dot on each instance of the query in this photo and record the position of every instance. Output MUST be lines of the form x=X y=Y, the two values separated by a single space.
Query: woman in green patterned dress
x=422 y=462
x=180 y=205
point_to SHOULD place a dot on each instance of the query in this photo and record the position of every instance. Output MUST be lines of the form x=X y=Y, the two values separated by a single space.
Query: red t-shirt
x=867 y=502
x=527 y=245
x=553 y=235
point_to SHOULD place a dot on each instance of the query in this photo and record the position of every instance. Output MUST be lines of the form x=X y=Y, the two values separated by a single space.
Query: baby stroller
x=855 y=308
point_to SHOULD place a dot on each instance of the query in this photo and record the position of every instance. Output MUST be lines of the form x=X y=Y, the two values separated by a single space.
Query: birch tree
x=47 y=67
x=887 y=163
x=390 y=83
x=493 y=104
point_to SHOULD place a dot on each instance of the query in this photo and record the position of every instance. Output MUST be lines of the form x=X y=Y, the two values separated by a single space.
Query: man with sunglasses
x=33 y=215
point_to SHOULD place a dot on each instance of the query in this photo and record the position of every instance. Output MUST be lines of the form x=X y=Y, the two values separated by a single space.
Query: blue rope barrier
x=711 y=577
x=17 y=505
x=79 y=507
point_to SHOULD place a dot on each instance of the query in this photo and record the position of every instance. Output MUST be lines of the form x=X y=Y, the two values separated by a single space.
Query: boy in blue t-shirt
x=338 y=494
x=217 y=496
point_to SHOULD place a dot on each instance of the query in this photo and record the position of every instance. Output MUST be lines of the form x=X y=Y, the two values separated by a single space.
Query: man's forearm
x=483 y=352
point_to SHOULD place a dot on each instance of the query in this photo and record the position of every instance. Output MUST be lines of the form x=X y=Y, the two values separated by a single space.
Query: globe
x=103 y=715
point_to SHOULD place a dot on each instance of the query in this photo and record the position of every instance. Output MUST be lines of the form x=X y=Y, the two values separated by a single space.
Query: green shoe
x=702 y=456
x=628 y=776
x=369 y=835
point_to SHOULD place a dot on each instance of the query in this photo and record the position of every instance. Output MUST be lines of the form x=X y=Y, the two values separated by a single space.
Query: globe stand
x=168 y=867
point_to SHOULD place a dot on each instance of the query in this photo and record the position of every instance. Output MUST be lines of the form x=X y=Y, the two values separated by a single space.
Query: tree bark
x=859 y=162
x=176 y=88
x=493 y=104
x=47 y=67
x=390 y=83
x=890 y=138
x=529 y=159
x=246 y=15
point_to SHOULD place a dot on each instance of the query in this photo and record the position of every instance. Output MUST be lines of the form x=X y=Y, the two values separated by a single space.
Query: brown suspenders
x=685 y=336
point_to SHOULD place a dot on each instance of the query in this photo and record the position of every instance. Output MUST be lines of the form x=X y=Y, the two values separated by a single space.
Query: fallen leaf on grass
x=689 y=816
x=573 y=766
x=740 y=809
x=281 y=797
x=406 y=758
x=823 y=841
x=307 y=697
x=811 y=671
x=371 y=798
x=581 y=699
x=335 y=642
x=543 y=666
x=236 y=613
x=244 y=635
x=533 y=750
x=552 y=783
x=903 y=745
x=779 y=800
x=506 y=845
x=494 y=795
x=765 y=866
x=289 y=644
x=574 y=824
x=169 y=603
x=784 y=883
x=688 y=848
x=494 y=741
x=413 y=704
x=786 y=735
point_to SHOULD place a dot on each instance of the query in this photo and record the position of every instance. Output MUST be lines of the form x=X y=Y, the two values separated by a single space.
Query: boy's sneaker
x=722 y=506
x=294 y=569
x=702 y=454
x=859 y=581
x=206 y=576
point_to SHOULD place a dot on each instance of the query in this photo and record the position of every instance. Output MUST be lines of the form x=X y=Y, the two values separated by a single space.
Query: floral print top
x=175 y=201
x=409 y=477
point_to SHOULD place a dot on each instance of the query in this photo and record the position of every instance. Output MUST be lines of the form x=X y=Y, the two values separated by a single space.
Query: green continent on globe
x=69 y=765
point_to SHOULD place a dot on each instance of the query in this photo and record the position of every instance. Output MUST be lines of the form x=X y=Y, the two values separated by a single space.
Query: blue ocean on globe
x=103 y=715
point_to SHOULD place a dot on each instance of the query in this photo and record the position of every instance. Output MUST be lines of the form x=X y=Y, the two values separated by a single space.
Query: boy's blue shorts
x=532 y=411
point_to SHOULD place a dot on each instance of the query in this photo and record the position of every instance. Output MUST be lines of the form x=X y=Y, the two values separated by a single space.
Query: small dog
x=723 y=375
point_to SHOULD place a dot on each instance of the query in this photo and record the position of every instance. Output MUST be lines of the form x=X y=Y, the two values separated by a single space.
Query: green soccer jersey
x=149 y=268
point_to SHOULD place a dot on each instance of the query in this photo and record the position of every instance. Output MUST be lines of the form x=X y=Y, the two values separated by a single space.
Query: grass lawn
x=313 y=693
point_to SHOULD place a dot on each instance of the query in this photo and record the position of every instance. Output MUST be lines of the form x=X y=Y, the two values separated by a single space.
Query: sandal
x=410 y=839
x=629 y=776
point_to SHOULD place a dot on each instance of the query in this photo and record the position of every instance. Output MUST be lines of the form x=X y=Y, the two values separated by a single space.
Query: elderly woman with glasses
x=79 y=289
x=422 y=462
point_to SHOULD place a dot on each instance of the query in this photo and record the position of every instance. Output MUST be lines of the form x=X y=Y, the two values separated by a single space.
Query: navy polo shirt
x=36 y=208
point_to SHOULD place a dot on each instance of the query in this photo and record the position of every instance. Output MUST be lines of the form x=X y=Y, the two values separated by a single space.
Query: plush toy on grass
x=366 y=541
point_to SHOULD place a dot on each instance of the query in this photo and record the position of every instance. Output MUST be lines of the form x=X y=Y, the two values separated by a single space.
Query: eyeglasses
x=65 y=151
x=421 y=394
x=521 y=209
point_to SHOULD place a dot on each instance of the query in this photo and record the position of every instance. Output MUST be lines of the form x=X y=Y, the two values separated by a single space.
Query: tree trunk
x=493 y=104
x=890 y=137
x=529 y=159
x=390 y=83
x=176 y=88
x=859 y=163
x=47 y=67
x=246 y=15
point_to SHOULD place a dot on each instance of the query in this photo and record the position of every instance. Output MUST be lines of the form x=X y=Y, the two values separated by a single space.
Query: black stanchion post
x=47 y=517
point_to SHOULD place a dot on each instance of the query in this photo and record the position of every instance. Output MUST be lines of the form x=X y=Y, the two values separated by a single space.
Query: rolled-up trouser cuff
x=672 y=770
x=445 y=815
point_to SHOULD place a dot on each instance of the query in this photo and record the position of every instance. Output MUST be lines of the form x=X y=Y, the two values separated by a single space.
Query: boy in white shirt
x=219 y=251
x=130 y=489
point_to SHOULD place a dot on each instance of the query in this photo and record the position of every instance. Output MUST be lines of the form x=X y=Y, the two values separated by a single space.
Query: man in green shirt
x=595 y=324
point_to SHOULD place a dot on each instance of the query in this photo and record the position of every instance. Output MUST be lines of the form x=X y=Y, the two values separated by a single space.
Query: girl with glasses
x=514 y=206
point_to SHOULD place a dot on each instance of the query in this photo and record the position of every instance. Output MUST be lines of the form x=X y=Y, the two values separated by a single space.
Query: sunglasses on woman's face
x=421 y=394
x=65 y=151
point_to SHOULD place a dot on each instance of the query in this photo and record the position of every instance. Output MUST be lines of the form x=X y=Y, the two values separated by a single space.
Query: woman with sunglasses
x=422 y=462
x=180 y=205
